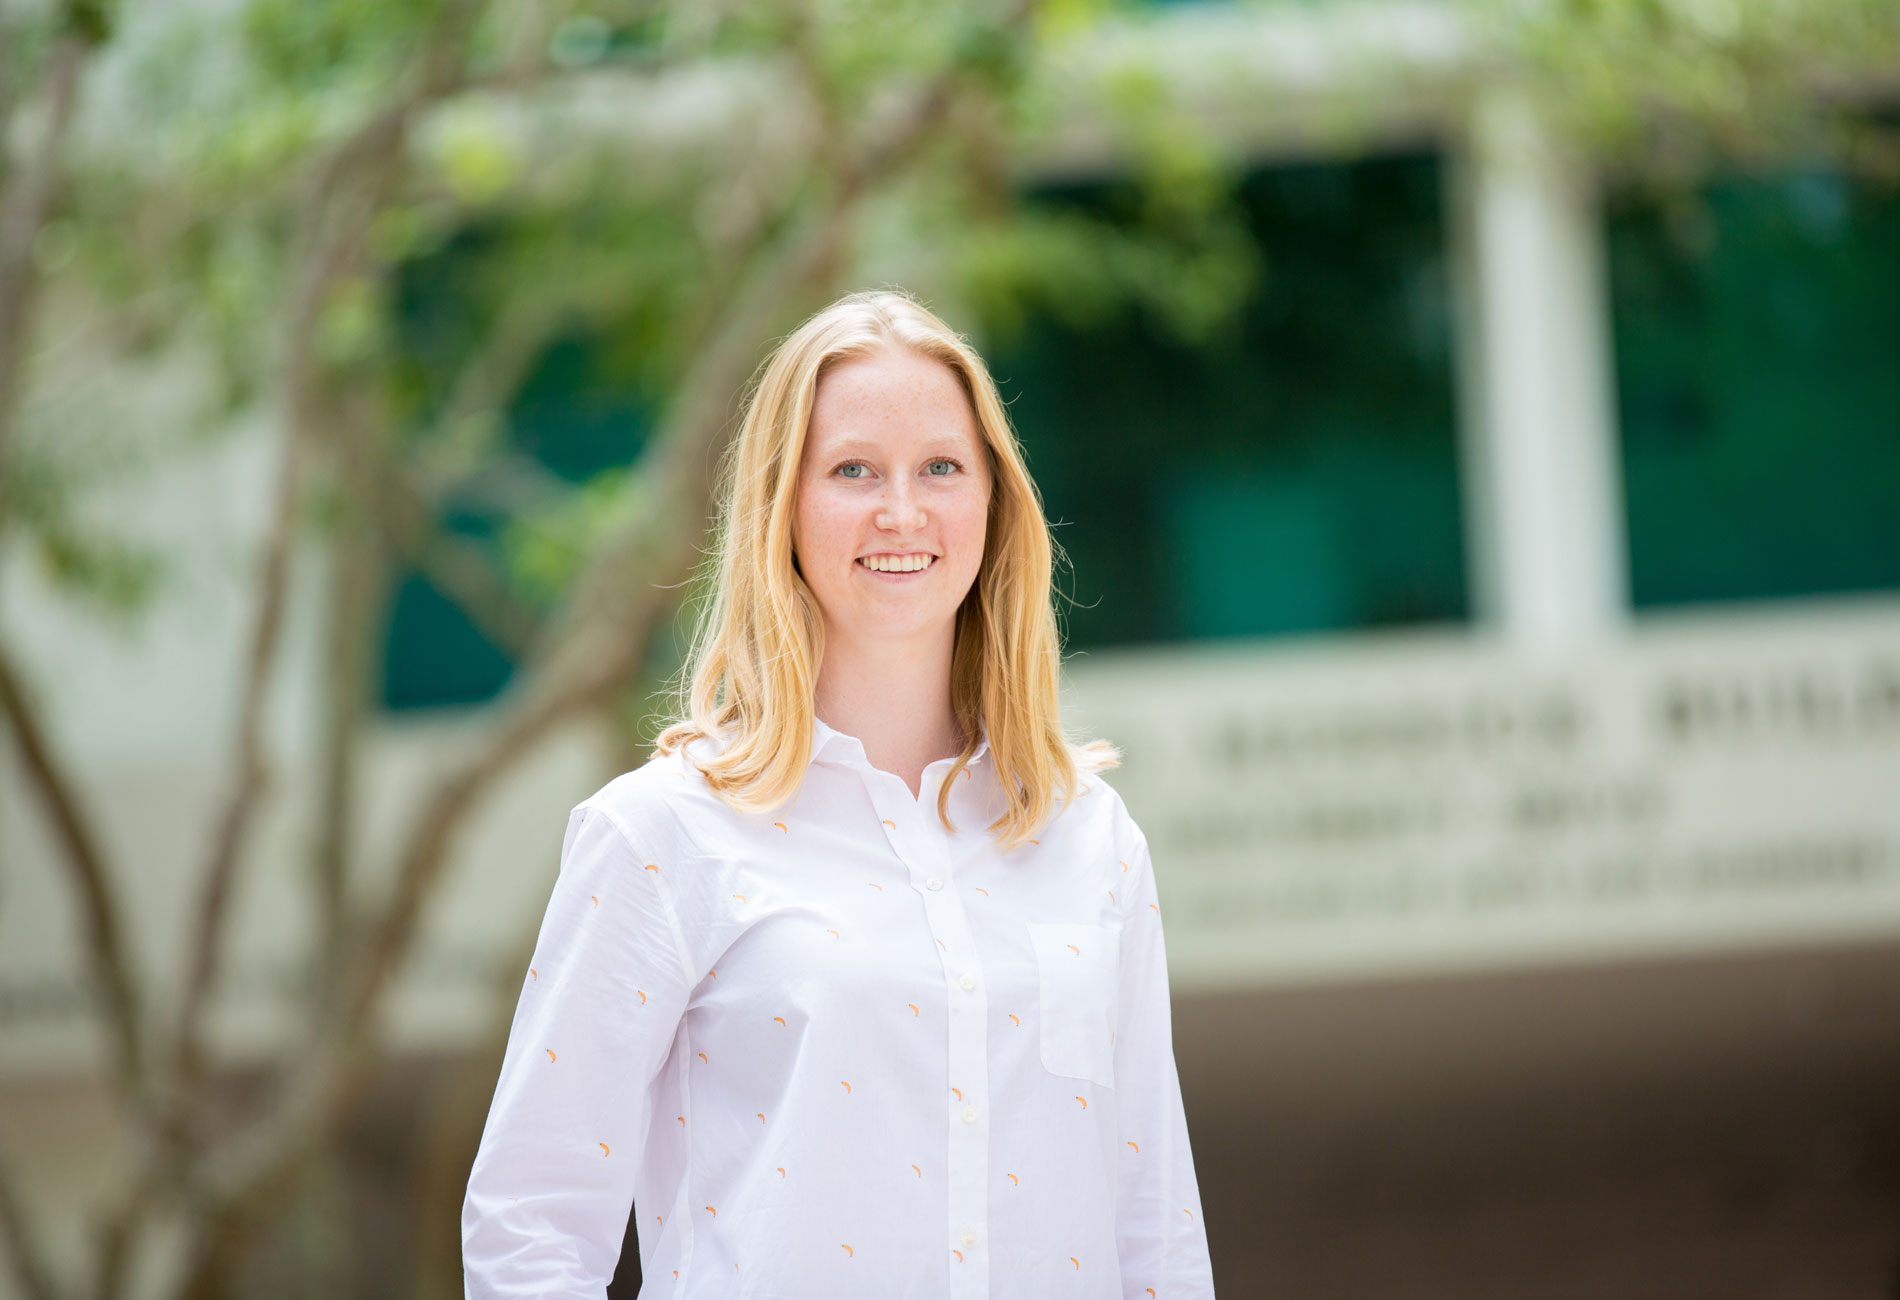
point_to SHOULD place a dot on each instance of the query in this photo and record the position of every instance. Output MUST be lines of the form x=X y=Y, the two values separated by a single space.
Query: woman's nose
x=901 y=508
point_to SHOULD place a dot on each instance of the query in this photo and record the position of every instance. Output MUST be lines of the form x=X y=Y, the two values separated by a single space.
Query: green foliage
x=546 y=548
x=1678 y=85
x=83 y=557
x=307 y=47
x=1084 y=272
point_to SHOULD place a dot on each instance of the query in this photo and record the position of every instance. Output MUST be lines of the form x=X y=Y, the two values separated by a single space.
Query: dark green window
x=1757 y=333
x=1297 y=474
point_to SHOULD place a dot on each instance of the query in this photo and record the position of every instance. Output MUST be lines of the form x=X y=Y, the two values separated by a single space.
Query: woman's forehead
x=920 y=401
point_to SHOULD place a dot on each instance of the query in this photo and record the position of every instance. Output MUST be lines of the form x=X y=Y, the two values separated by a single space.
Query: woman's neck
x=895 y=698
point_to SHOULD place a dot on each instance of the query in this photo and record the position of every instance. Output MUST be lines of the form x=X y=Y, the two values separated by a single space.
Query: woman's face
x=895 y=475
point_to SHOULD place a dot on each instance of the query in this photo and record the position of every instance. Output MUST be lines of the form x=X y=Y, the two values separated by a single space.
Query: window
x=1757 y=327
x=1299 y=474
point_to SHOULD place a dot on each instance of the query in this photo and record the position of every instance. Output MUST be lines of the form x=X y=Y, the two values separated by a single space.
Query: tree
x=255 y=193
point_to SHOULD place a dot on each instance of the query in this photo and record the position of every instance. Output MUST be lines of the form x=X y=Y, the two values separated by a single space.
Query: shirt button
x=969 y=1114
x=969 y=1237
x=935 y=882
x=967 y=982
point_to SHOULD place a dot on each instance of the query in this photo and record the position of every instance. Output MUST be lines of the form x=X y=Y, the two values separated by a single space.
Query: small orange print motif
x=1187 y=1211
x=596 y=898
x=761 y=1117
x=660 y=1217
x=1154 y=909
x=781 y=1171
x=1038 y=843
x=1124 y=864
x=1111 y=895
x=711 y=1211
x=605 y=1150
x=982 y=891
x=1073 y=1260
x=913 y=1009
x=920 y=1173
x=1151 y=1291
x=876 y=886
x=833 y=933
x=959 y=1093
x=713 y=973
x=702 y=1056
x=846 y=1083
x=682 y=1121
x=1015 y=1181
x=676 y=1275
x=1137 y=1148
x=1016 y=1018
x=941 y=944
x=1072 y=948
x=740 y=897
x=782 y=826
x=654 y=868
x=848 y=1250
x=781 y=1020
x=643 y=996
x=957 y=1253
x=888 y=822
x=550 y=1052
x=1083 y=1100
x=533 y=974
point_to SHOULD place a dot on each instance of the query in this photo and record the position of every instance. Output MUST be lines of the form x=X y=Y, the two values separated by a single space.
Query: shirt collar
x=828 y=744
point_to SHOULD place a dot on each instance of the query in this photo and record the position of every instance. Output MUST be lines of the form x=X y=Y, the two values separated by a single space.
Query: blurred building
x=1501 y=621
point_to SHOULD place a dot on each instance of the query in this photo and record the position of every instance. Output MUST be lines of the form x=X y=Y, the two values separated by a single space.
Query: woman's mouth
x=896 y=567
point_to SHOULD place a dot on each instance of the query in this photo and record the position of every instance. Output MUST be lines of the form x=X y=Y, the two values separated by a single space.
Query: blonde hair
x=752 y=670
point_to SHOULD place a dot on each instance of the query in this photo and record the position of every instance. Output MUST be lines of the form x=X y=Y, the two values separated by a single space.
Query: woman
x=856 y=990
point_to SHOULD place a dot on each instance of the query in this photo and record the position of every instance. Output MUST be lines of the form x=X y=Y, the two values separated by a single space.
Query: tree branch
x=355 y=601
x=23 y=1247
x=24 y=205
x=335 y=240
x=106 y=953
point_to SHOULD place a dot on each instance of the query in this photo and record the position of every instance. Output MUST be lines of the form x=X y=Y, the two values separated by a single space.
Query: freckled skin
x=897 y=413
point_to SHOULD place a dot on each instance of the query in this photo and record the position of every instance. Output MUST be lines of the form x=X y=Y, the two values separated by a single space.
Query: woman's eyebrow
x=953 y=441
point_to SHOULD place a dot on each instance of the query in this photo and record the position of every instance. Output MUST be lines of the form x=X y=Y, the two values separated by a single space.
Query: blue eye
x=945 y=460
x=851 y=464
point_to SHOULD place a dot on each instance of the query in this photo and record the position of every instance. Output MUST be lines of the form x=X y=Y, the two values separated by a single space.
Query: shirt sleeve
x=552 y=1184
x=1158 y=1227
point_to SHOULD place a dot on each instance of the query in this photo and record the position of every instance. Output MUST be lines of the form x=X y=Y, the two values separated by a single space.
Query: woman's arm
x=552 y=1184
x=1158 y=1203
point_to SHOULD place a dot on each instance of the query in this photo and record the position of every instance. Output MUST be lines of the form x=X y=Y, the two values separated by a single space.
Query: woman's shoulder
x=656 y=804
x=1100 y=809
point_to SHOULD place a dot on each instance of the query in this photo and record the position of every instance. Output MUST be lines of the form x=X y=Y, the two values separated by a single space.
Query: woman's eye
x=850 y=465
x=945 y=461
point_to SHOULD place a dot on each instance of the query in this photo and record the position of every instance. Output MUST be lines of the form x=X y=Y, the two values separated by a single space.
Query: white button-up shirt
x=838 y=1051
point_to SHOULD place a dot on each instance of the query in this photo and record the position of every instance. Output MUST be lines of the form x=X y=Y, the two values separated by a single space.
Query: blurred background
x=1473 y=430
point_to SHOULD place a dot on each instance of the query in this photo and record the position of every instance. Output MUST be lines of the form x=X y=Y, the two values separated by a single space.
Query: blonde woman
x=856 y=990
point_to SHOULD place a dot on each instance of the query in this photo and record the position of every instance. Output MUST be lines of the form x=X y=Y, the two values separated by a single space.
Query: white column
x=1544 y=509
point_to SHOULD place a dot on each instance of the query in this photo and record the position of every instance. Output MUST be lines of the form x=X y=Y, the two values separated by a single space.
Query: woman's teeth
x=896 y=563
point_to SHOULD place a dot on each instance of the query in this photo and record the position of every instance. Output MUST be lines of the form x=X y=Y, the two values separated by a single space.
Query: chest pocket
x=1079 y=970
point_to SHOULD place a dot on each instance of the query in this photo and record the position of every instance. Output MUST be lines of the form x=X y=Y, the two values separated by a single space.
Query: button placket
x=921 y=842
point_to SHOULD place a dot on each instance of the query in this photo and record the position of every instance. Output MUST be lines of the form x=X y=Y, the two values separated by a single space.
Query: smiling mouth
x=916 y=562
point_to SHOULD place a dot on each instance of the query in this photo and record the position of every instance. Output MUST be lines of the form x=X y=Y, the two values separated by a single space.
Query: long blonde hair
x=752 y=671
